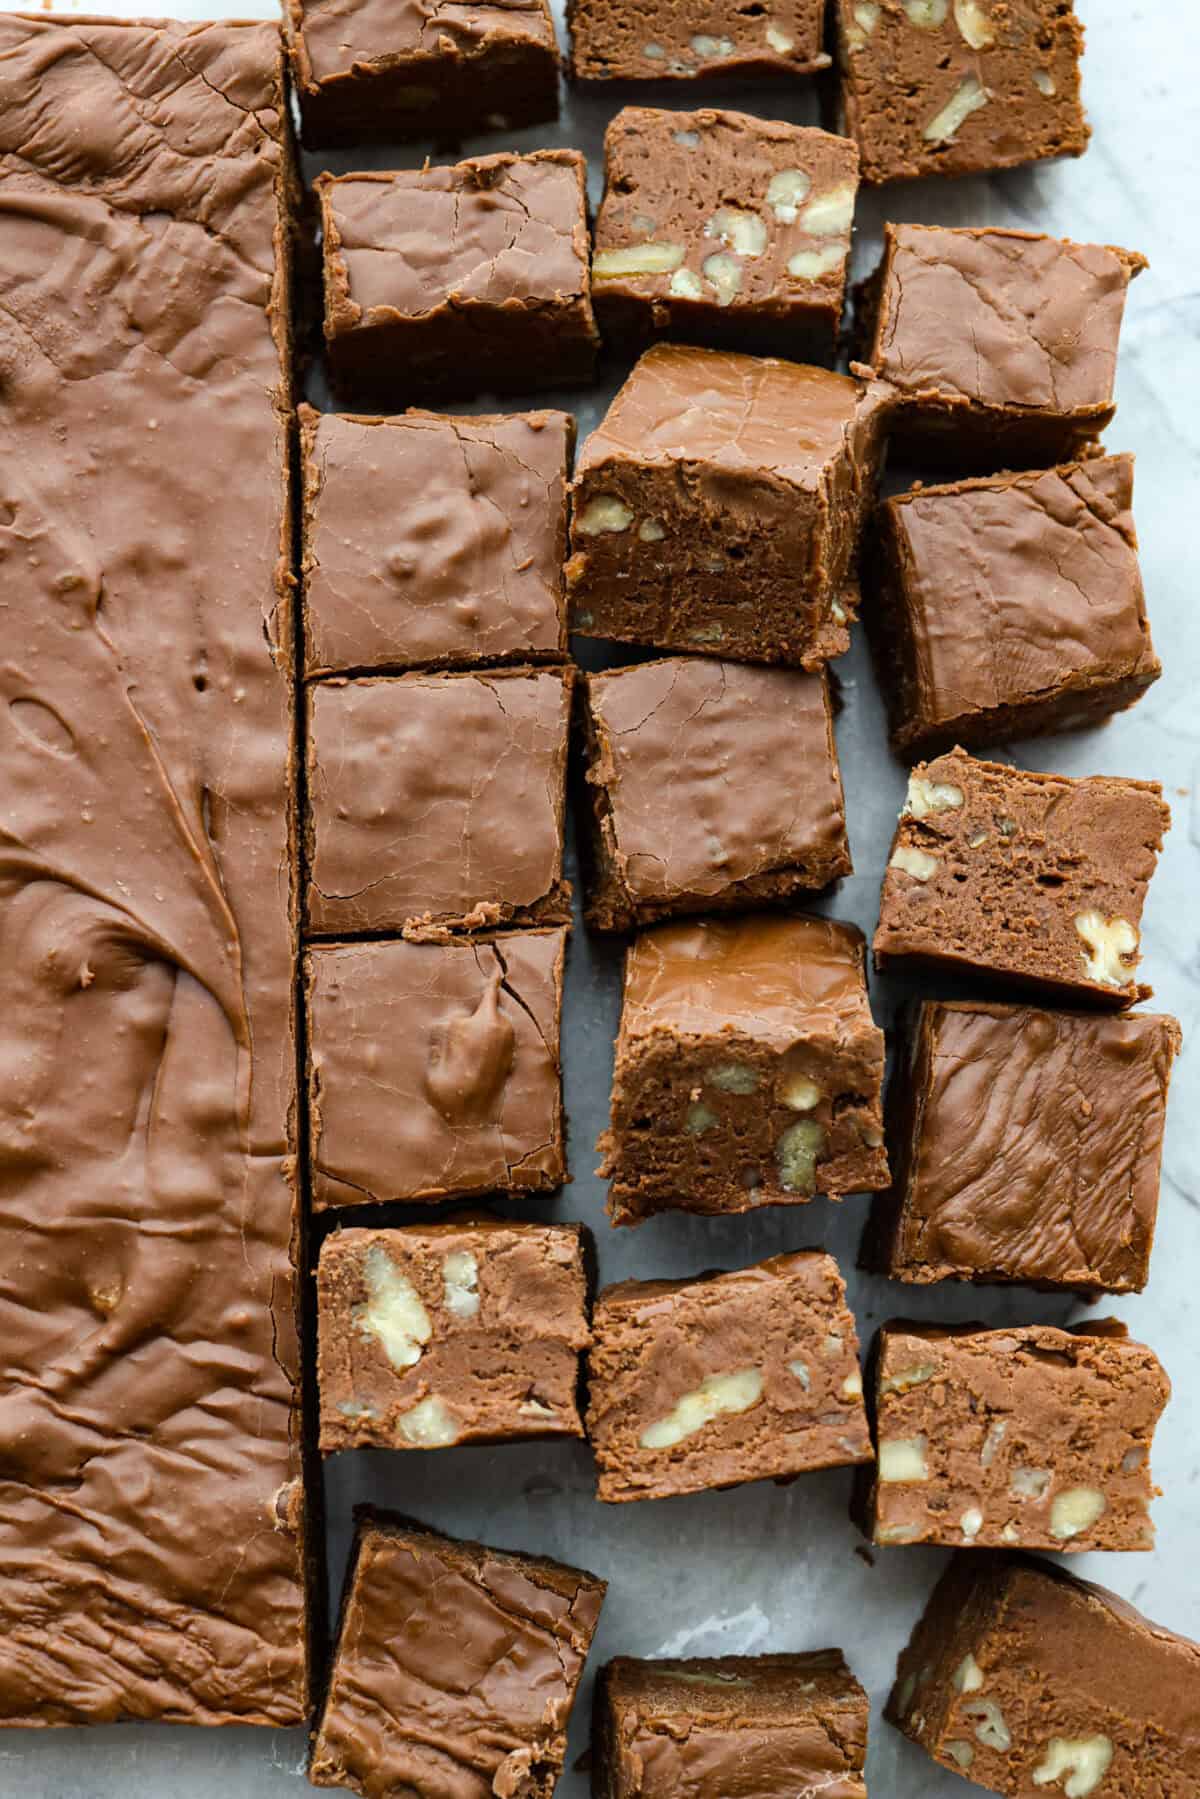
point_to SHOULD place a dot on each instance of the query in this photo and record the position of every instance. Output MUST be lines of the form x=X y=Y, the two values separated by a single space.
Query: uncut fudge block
x=1025 y=877
x=714 y=785
x=437 y=801
x=1009 y=606
x=463 y=1332
x=614 y=40
x=721 y=229
x=1027 y=1147
x=1036 y=1436
x=735 y=1377
x=1027 y=1681
x=455 y=1670
x=750 y=1725
x=988 y=84
x=434 y=1069
x=998 y=347
x=432 y=541
x=451 y=280
x=718 y=507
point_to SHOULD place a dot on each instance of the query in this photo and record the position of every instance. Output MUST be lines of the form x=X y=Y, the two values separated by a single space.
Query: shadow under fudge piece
x=655 y=40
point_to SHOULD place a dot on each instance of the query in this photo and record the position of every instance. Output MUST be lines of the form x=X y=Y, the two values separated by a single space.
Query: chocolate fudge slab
x=999 y=347
x=434 y=1069
x=734 y=1377
x=1027 y=1146
x=930 y=88
x=1027 y=1680
x=449 y=281
x=718 y=507
x=721 y=229
x=748 y=1071
x=1008 y=607
x=614 y=40
x=437 y=801
x=1029 y=878
x=455 y=1670
x=1032 y=1436
x=714 y=785
x=433 y=541
x=755 y=1726
x=464 y=1332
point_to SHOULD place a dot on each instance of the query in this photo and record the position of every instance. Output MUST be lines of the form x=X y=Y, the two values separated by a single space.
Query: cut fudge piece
x=1032 y=1435
x=719 y=504
x=454 y=280
x=456 y=1667
x=615 y=40
x=718 y=228
x=734 y=1377
x=934 y=89
x=1022 y=877
x=437 y=801
x=1008 y=606
x=434 y=541
x=463 y=1332
x=998 y=347
x=714 y=784
x=744 y=1725
x=433 y=1068
x=1029 y=1681
x=1027 y=1147
x=748 y=1072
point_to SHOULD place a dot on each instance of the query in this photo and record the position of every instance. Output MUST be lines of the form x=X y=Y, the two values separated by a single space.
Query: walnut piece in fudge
x=718 y=507
x=455 y=1669
x=721 y=229
x=1027 y=1146
x=956 y=87
x=1009 y=606
x=734 y=1377
x=1031 y=1682
x=748 y=1070
x=434 y=1069
x=1033 y=878
x=617 y=40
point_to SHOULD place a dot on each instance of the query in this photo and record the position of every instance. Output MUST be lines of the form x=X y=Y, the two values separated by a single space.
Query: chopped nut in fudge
x=618 y=40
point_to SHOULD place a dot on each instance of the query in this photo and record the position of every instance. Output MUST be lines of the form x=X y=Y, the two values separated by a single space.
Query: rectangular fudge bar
x=1008 y=607
x=1032 y=1436
x=736 y=1724
x=433 y=541
x=713 y=784
x=718 y=507
x=1023 y=877
x=1029 y=1681
x=152 y=1548
x=733 y=1377
x=456 y=1667
x=444 y=281
x=721 y=229
x=434 y=1068
x=616 y=40
x=1027 y=1146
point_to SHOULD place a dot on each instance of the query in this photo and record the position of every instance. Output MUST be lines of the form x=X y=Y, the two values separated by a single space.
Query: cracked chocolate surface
x=612 y=40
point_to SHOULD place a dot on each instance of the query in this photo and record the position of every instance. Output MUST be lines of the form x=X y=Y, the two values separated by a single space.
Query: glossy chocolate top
x=334 y=37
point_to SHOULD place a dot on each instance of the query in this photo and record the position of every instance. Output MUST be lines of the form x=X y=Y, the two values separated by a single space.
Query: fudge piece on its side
x=617 y=40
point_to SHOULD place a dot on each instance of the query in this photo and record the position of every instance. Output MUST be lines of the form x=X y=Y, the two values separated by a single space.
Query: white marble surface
x=772 y=1567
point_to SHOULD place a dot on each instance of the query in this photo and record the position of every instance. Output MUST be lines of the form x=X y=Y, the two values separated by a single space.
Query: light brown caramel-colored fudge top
x=666 y=41
x=337 y=37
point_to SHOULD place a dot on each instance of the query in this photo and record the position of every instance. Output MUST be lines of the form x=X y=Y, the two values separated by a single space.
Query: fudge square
x=433 y=1068
x=468 y=1331
x=746 y=1725
x=1032 y=1436
x=1008 y=606
x=437 y=800
x=455 y=1669
x=1024 y=877
x=615 y=40
x=433 y=541
x=718 y=507
x=454 y=280
x=1027 y=1147
x=988 y=84
x=721 y=229
x=734 y=1377
x=714 y=785
x=1027 y=1680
